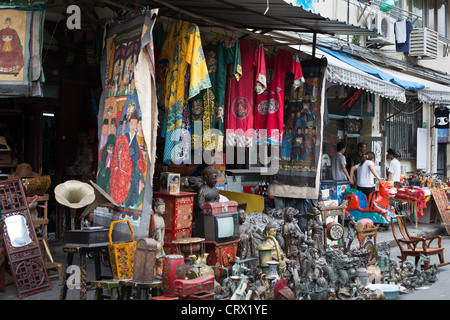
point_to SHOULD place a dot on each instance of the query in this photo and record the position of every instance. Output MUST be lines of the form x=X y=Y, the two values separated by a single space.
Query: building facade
x=407 y=126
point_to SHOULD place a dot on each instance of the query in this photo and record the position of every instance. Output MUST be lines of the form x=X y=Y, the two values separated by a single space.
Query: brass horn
x=101 y=197
x=74 y=194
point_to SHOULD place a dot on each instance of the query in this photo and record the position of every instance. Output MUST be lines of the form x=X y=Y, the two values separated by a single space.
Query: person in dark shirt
x=357 y=157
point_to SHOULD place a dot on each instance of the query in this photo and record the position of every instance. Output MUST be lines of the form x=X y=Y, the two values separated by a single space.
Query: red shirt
x=270 y=105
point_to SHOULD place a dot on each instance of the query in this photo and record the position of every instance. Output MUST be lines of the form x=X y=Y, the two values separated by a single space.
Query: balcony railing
x=399 y=13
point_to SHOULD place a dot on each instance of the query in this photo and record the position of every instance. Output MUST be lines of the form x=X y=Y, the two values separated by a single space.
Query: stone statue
x=159 y=226
x=383 y=253
x=246 y=247
x=292 y=235
x=208 y=191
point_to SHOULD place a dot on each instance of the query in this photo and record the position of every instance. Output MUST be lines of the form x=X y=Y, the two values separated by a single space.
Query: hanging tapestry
x=239 y=111
x=208 y=107
x=298 y=173
x=269 y=113
x=185 y=75
x=20 y=51
x=128 y=120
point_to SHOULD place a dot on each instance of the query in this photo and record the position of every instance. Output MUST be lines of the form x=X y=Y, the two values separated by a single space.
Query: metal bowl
x=390 y=290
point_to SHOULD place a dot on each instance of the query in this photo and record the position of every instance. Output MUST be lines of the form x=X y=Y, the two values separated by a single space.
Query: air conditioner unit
x=423 y=43
x=384 y=26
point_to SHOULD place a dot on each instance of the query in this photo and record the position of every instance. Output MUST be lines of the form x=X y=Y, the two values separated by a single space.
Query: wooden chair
x=415 y=246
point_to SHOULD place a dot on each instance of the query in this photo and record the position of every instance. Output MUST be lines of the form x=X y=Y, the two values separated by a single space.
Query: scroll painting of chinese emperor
x=127 y=117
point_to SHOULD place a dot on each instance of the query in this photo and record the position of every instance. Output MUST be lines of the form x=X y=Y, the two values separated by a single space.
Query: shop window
x=364 y=106
x=437 y=16
x=401 y=121
x=442 y=18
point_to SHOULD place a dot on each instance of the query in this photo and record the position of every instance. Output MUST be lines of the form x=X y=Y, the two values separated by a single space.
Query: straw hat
x=24 y=170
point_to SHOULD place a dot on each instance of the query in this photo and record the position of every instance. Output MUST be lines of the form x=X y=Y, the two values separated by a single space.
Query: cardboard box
x=170 y=182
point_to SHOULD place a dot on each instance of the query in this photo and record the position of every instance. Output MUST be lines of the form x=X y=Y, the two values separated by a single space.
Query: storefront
x=175 y=90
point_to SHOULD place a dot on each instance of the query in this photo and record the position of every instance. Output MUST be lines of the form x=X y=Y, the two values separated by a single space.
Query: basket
x=121 y=254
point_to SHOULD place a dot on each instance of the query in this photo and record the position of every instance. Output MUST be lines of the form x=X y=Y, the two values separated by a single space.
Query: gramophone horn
x=74 y=194
x=101 y=197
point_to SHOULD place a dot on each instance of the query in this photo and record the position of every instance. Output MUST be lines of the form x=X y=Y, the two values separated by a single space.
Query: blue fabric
x=408 y=85
x=404 y=47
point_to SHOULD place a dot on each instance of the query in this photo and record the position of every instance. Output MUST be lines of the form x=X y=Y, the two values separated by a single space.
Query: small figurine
x=351 y=233
x=292 y=235
x=277 y=253
x=246 y=247
x=158 y=233
x=314 y=229
x=159 y=226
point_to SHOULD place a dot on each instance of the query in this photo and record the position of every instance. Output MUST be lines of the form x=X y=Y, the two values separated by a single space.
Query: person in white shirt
x=338 y=164
x=366 y=174
x=394 y=171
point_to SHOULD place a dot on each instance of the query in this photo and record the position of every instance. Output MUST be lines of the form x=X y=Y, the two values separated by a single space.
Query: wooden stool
x=99 y=286
x=71 y=249
x=143 y=289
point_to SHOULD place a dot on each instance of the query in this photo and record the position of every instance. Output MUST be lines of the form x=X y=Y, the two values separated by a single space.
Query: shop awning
x=375 y=71
x=345 y=74
x=257 y=15
x=427 y=91
x=433 y=92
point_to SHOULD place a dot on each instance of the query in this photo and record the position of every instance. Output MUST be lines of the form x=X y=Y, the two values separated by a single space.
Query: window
x=431 y=9
x=442 y=18
x=416 y=7
x=401 y=122
x=436 y=17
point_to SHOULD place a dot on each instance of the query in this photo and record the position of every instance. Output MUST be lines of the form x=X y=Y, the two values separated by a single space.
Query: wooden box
x=207 y=295
x=221 y=252
x=213 y=208
x=188 y=287
x=93 y=235
x=145 y=260
x=177 y=217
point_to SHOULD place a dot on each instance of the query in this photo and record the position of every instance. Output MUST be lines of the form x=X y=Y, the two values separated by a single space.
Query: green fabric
x=219 y=53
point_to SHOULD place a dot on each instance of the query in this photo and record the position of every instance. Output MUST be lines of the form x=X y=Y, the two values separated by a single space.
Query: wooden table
x=83 y=250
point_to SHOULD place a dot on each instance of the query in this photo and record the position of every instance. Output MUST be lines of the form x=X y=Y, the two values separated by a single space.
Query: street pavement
x=437 y=291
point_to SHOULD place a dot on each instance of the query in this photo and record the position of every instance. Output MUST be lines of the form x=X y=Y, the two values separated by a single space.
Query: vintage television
x=221 y=227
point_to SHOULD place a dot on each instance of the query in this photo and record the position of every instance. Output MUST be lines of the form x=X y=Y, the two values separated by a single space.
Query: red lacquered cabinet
x=177 y=217
x=222 y=253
